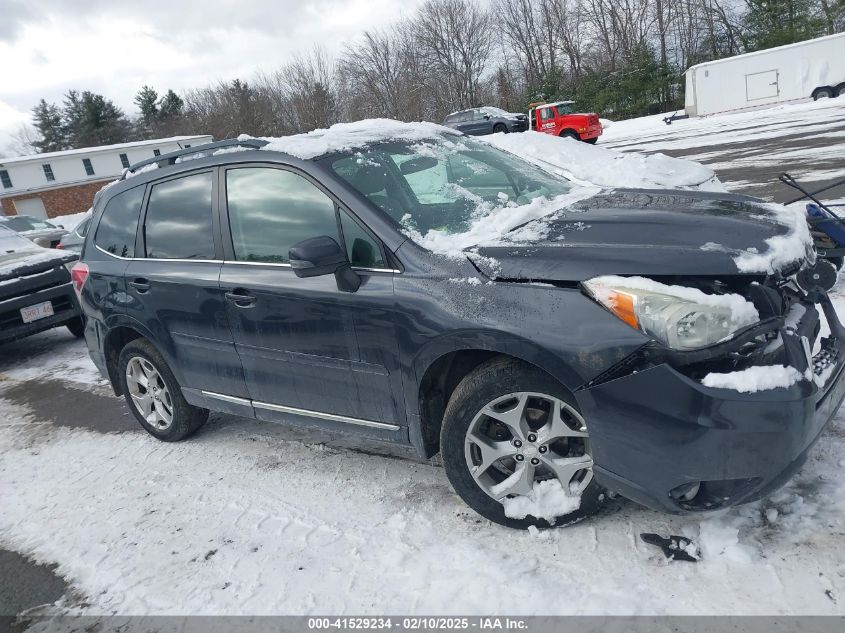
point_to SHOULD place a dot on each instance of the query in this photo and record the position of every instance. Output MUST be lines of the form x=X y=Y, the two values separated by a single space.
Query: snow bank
x=604 y=167
x=347 y=136
x=754 y=379
x=548 y=500
x=742 y=310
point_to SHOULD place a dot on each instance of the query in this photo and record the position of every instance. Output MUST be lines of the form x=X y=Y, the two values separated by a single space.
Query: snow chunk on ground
x=754 y=379
x=605 y=167
x=548 y=500
x=742 y=310
x=347 y=136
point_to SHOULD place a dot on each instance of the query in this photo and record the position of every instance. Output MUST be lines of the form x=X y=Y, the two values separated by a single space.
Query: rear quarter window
x=178 y=224
x=119 y=223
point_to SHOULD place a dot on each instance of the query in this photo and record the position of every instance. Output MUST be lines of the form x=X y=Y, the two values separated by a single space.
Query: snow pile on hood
x=783 y=249
x=754 y=379
x=548 y=500
x=13 y=263
x=348 y=136
x=604 y=167
x=494 y=226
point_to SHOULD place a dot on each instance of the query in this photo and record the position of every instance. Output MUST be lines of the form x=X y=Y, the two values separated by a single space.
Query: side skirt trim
x=304 y=412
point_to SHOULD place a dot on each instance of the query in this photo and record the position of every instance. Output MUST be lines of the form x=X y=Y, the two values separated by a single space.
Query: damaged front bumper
x=663 y=439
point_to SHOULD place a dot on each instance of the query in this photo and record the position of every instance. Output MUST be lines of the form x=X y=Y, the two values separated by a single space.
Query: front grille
x=824 y=362
x=27 y=284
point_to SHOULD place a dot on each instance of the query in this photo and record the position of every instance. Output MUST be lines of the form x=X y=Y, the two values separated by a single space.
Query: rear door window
x=119 y=223
x=178 y=224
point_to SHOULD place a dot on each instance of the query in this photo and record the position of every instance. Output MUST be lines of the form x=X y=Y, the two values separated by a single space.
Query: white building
x=60 y=183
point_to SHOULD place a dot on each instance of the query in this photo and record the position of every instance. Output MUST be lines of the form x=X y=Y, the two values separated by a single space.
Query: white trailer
x=813 y=69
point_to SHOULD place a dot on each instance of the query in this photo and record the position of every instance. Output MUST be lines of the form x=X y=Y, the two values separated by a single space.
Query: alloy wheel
x=149 y=393
x=525 y=437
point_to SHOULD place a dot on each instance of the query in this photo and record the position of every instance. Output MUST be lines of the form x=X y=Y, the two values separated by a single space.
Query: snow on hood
x=348 y=136
x=604 y=167
x=18 y=261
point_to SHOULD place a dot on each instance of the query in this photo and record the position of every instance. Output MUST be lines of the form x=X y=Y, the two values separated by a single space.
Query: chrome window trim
x=232 y=261
x=304 y=412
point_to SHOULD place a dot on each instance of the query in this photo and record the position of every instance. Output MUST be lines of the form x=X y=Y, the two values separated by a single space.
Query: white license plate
x=38 y=311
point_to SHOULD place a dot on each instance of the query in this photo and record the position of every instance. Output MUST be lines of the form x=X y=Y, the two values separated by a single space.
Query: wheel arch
x=119 y=333
x=441 y=369
x=568 y=130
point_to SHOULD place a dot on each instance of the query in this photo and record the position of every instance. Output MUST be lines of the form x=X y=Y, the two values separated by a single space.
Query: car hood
x=644 y=232
x=25 y=261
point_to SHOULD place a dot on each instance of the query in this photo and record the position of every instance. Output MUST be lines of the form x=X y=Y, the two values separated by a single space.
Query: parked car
x=36 y=293
x=40 y=231
x=74 y=239
x=559 y=119
x=487 y=120
x=407 y=283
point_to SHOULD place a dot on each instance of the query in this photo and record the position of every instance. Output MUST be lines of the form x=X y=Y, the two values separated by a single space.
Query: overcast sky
x=115 y=46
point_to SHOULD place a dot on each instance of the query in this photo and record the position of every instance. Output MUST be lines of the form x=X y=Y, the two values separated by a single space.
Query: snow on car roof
x=346 y=136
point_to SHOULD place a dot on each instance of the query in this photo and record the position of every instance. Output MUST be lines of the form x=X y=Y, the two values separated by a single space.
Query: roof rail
x=170 y=158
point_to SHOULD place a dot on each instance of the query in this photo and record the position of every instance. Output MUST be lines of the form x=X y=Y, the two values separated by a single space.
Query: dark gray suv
x=412 y=285
x=487 y=120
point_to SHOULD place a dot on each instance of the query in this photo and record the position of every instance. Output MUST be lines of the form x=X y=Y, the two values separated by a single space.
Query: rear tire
x=153 y=394
x=592 y=141
x=76 y=327
x=500 y=128
x=840 y=90
x=823 y=93
x=496 y=383
x=570 y=134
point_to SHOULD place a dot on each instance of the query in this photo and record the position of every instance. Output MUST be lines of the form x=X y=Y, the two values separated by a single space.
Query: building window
x=48 y=172
x=124 y=160
x=89 y=168
x=4 y=178
x=156 y=152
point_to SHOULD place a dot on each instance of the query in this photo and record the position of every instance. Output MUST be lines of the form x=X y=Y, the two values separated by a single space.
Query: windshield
x=444 y=184
x=25 y=223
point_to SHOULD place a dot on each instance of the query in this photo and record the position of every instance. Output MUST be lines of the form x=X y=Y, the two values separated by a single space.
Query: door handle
x=140 y=284
x=241 y=298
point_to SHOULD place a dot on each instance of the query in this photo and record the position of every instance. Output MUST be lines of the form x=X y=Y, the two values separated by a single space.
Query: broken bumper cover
x=657 y=432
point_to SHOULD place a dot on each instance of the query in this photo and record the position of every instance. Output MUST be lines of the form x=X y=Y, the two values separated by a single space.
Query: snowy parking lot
x=254 y=518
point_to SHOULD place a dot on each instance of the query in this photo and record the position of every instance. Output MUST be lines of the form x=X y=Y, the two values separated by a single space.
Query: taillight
x=79 y=275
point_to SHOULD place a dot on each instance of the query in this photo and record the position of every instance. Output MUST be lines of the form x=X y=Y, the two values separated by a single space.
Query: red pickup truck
x=559 y=119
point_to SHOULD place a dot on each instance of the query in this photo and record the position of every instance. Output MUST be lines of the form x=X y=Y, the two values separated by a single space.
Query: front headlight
x=681 y=318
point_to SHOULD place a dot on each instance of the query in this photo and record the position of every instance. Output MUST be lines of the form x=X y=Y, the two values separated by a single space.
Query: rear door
x=307 y=348
x=174 y=288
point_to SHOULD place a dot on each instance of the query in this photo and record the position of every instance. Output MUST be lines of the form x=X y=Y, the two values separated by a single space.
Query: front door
x=306 y=347
x=173 y=285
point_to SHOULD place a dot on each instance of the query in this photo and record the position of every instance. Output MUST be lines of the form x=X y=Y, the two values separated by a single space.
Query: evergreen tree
x=771 y=23
x=47 y=119
x=91 y=119
x=147 y=102
x=170 y=106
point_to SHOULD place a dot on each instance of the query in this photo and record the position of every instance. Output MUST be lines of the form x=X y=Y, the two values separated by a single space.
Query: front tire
x=500 y=128
x=511 y=437
x=154 y=396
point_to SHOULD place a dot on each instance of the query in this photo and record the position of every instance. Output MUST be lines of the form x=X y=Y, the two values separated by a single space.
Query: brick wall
x=60 y=201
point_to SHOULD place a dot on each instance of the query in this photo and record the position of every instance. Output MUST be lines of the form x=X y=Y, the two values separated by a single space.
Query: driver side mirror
x=322 y=255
